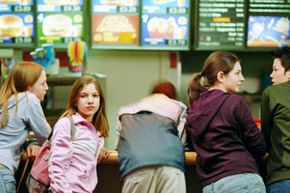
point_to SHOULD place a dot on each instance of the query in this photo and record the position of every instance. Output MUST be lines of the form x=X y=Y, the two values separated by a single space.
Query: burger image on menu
x=8 y=1
x=57 y=25
x=11 y=26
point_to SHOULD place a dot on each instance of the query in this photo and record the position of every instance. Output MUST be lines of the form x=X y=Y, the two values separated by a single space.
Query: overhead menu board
x=220 y=24
x=115 y=23
x=268 y=23
x=59 y=21
x=16 y=23
x=165 y=24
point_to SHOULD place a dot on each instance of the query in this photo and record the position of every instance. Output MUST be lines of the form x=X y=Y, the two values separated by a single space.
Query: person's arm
x=181 y=125
x=118 y=129
x=266 y=120
x=60 y=156
x=36 y=119
x=251 y=134
x=102 y=152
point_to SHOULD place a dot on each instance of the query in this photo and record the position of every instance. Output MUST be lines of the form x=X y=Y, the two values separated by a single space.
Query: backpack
x=38 y=180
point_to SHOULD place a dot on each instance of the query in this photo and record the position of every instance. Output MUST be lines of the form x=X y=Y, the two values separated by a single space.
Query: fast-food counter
x=109 y=178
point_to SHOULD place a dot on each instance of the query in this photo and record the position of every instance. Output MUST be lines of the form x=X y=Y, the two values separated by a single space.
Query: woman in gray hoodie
x=20 y=112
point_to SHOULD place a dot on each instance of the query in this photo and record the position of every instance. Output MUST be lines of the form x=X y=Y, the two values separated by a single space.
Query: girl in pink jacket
x=73 y=160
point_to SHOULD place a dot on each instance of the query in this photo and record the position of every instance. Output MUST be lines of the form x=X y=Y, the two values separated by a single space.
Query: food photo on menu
x=61 y=2
x=157 y=29
x=115 y=29
x=54 y=26
x=23 y=2
x=118 y=2
x=268 y=31
x=16 y=25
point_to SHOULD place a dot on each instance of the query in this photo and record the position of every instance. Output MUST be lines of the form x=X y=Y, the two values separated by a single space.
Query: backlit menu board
x=16 y=23
x=268 y=23
x=165 y=24
x=115 y=23
x=220 y=24
x=59 y=21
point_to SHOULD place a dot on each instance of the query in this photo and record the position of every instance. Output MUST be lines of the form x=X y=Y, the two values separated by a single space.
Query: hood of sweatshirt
x=202 y=111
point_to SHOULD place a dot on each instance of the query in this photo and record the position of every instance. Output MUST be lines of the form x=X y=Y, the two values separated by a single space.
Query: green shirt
x=275 y=114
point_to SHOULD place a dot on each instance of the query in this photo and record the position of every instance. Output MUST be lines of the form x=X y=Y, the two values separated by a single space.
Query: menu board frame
x=245 y=47
x=62 y=45
x=255 y=14
x=218 y=47
x=139 y=45
x=105 y=46
x=33 y=30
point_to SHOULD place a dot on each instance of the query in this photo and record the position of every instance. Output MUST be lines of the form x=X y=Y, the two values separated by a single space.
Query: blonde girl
x=20 y=112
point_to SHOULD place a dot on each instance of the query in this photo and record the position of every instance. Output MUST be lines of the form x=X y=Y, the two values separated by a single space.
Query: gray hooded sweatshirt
x=29 y=117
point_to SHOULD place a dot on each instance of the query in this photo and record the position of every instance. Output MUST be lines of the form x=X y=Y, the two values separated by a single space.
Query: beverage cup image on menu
x=11 y=26
x=58 y=25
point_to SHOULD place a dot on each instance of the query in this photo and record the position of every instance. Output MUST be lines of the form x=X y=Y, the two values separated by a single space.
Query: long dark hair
x=99 y=119
x=217 y=61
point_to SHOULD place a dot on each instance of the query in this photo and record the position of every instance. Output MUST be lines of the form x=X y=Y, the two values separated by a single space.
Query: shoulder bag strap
x=72 y=131
x=73 y=127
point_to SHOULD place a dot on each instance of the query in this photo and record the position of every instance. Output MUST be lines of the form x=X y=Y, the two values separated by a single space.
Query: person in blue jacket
x=151 y=154
x=20 y=112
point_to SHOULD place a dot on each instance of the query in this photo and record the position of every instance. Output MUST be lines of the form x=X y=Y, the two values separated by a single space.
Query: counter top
x=190 y=158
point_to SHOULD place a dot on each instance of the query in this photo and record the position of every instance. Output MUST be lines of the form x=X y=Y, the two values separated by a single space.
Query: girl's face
x=234 y=79
x=88 y=101
x=278 y=74
x=40 y=87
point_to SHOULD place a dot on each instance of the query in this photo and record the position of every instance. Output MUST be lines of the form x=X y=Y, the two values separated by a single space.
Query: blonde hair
x=22 y=76
x=99 y=119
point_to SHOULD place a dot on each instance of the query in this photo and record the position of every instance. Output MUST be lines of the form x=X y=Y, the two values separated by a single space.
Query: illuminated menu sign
x=165 y=24
x=275 y=7
x=59 y=21
x=268 y=23
x=16 y=23
x=220 y=25
x=115 y=23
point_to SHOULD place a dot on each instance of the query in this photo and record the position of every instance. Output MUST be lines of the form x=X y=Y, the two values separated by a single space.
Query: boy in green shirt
x=275 y=115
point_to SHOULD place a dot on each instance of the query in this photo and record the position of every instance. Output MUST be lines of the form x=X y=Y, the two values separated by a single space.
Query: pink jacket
x=73 y=162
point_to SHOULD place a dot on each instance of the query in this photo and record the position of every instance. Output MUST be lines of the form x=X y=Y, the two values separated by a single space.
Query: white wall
x=130 y=76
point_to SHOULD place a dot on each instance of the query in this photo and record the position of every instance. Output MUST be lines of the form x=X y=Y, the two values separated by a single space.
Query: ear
x=288 y=74
x=220 y=76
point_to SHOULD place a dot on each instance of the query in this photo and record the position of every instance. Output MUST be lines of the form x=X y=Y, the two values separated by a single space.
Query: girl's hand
x=33 y=150
x=104 y=154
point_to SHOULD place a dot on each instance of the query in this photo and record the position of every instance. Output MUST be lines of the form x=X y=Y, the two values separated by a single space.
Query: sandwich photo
x=58 y=25
x=11 y=26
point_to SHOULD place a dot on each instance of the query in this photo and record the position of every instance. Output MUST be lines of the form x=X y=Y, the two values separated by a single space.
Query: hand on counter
x=104 y=154
x=33 y=150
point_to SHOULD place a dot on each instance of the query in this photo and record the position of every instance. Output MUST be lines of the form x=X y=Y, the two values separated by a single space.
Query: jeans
x=7 y=181
x=279 y=187
x=240 y=183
